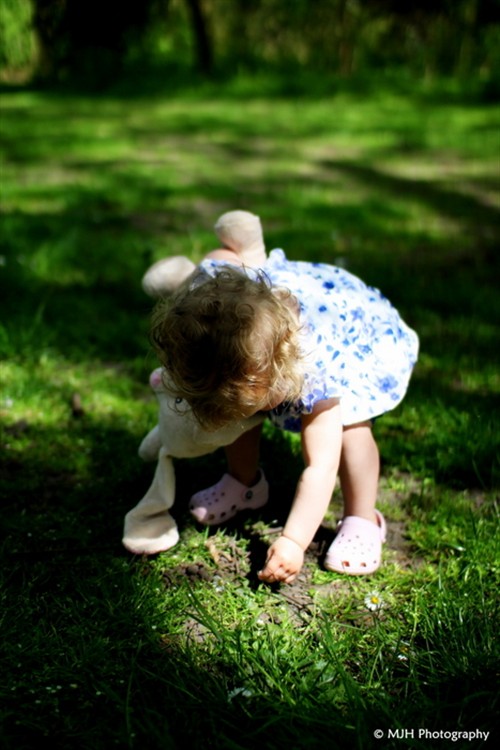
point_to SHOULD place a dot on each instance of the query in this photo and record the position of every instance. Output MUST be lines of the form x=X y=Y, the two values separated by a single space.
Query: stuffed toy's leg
x=149 y=528
x=241 y=232
x=165 y=276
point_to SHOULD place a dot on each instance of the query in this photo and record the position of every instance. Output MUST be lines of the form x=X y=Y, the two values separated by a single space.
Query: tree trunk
x=202 y=38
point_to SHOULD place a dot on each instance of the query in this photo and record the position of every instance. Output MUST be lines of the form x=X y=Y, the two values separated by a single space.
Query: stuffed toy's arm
x=150 y=446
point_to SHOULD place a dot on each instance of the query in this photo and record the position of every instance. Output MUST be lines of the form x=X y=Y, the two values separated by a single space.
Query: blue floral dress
x=356 y=346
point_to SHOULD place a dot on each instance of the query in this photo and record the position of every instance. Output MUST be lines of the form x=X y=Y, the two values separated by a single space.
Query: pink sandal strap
x=225 y=499
x=357 y=548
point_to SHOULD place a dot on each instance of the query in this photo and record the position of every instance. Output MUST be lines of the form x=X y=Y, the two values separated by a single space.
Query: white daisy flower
x=373 y=601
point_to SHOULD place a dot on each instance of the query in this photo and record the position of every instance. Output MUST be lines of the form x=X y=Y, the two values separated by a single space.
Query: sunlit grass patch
x=45 y=391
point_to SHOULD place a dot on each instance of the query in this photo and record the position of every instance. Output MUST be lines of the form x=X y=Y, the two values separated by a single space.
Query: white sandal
x=228 y=497
x=357 y=548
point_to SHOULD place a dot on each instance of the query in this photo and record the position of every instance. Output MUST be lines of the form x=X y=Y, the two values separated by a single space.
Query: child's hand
x=284 y=560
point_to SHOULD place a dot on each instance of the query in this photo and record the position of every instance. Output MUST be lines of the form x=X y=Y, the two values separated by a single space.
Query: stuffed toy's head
x=149 y=528
x=180 y=435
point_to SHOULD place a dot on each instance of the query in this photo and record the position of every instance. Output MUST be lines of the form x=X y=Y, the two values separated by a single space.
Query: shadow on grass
x=446 y=202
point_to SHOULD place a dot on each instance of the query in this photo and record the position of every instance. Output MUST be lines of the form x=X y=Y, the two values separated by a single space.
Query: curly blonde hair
x=230 y=345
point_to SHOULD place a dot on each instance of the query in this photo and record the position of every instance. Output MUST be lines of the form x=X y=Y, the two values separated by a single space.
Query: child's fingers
x=274 y=573
x=271 y=571
x=280 y=576
x=268 y=574
x=284 y=561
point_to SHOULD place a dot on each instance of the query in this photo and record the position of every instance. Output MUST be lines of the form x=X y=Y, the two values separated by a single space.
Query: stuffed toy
x=149 y=527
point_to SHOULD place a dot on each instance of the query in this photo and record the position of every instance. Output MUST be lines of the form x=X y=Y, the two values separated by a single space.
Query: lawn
x=100 y=649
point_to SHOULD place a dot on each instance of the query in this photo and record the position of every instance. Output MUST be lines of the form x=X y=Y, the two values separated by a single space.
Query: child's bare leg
x=243 y=456
x=359 y=471
x=357 y=548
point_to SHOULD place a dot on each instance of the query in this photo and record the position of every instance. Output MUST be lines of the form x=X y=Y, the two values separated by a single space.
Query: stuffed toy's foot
x=165 y=276
x=148 y=534
x=241 y=232
x=225 y=499
x=357 y=548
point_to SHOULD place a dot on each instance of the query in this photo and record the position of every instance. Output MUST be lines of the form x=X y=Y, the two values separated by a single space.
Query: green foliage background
x=64 y=40
x=17 y=50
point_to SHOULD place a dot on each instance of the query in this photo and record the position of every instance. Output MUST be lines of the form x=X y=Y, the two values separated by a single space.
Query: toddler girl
x=314 y=349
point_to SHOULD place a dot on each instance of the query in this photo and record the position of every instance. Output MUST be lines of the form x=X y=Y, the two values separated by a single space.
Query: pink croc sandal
x=357 y=548
x=225 y=499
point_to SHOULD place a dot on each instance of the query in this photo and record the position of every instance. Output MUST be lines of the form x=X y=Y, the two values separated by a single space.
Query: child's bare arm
x=321 y=443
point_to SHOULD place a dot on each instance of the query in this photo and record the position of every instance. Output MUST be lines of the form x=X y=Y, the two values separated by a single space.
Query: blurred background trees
x=96 y=42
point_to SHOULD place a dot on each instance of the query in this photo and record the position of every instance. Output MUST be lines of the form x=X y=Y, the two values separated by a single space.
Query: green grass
x=102 y=650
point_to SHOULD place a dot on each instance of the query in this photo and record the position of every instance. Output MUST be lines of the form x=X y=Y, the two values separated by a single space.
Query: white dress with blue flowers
x=356 y=346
